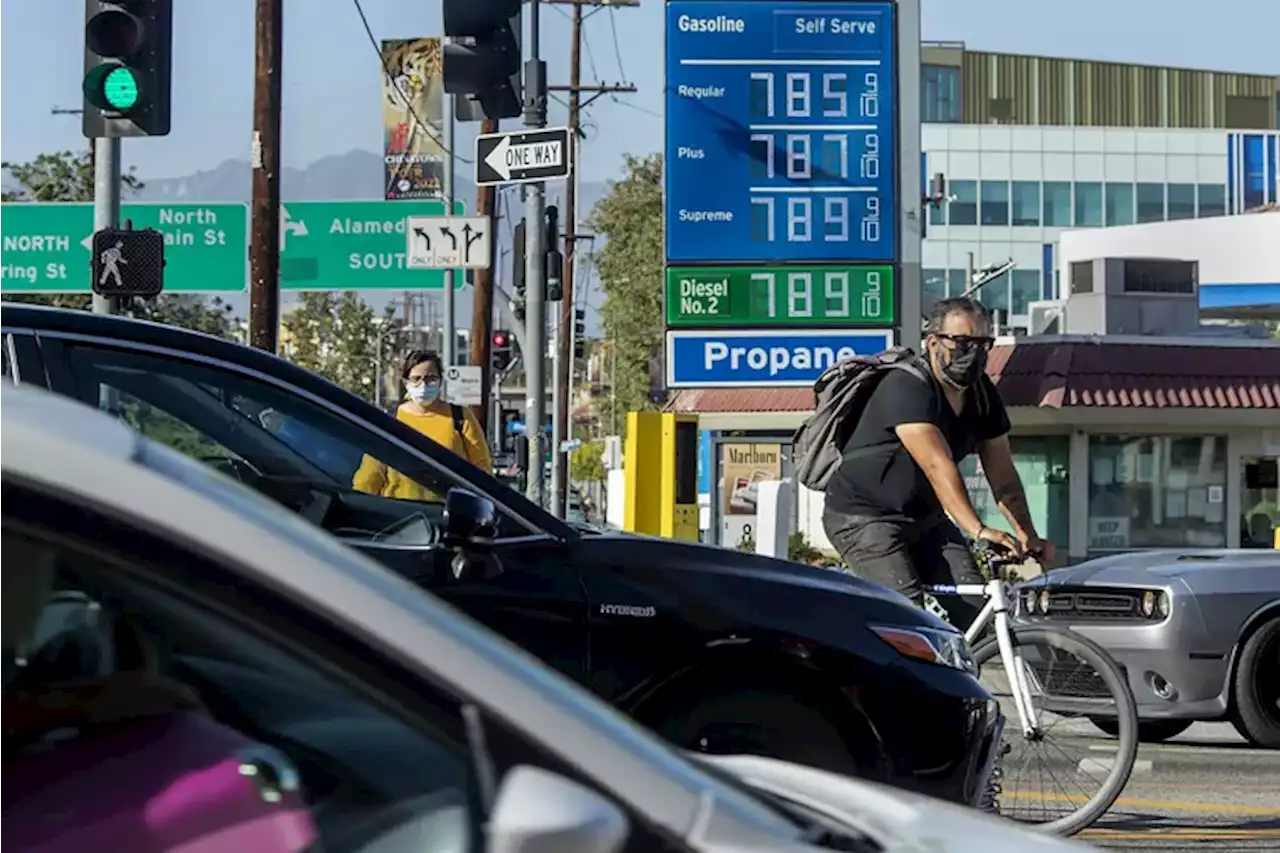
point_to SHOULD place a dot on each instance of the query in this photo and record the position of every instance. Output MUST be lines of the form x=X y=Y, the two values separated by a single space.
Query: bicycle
x=1017 y=647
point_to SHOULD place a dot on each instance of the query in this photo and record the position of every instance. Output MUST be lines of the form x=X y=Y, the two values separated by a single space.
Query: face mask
x=963 y=367
x=425 y=392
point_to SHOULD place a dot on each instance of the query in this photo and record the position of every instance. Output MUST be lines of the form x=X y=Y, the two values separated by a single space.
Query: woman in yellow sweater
x=451 y=427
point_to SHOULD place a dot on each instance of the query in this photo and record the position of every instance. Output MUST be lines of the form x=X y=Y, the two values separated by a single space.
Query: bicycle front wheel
x=1060 y=775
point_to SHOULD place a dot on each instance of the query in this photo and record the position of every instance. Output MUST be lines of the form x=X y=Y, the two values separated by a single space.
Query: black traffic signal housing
x=127 y=262
x=128 y=67
x=517 y=269
x=579 y=333
x=502 y=350
x=481 y=57
x=553 y=263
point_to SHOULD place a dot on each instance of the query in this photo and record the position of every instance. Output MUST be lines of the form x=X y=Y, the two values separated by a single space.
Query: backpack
x=840 y=394
x=459 y=421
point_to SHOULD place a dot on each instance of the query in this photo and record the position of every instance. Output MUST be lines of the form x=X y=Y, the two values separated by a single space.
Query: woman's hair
x=412 y=359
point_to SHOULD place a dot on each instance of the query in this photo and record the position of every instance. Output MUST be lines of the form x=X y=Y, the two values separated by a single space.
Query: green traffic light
x=112 y=87
x=120 y=89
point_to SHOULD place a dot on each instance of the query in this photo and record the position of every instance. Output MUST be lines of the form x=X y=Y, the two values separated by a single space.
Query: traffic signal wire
x=382 y=60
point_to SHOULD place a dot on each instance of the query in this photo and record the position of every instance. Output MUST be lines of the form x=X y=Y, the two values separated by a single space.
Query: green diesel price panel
x=780 y=296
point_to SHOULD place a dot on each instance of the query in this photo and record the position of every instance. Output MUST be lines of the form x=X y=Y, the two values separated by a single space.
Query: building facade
x=1033 y=146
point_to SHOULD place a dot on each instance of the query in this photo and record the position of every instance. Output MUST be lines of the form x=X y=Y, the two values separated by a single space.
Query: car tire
x=1257 y=688
x=1149 y=731
x=759 y=722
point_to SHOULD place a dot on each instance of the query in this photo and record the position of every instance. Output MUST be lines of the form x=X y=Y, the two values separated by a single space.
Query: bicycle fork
x=1004 y=641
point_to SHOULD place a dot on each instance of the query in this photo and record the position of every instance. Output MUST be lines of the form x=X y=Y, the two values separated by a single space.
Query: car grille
x=1091 y=605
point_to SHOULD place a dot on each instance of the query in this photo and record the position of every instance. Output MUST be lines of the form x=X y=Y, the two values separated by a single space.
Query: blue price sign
x=763 y=359
x=780 y=132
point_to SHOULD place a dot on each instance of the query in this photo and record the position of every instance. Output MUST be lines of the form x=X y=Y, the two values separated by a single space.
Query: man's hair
x=944 y=308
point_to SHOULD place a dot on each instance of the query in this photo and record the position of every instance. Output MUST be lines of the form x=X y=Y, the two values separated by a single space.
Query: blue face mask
x=424 y=392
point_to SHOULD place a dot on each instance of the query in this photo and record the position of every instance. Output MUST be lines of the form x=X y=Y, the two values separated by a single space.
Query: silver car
x=1197 y=631
x=401 y=724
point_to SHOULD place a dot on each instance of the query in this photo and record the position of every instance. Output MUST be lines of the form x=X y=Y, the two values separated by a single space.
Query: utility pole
x=106 y=202
x=482 y=299
x=106 y=193
x=561 y=428
x=264 y=242
x=535 y=116
x=450 y=342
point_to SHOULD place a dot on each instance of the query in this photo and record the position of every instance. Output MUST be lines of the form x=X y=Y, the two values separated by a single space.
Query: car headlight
x=946 y=648
x=1029 y=602
x=1043 y=601
x=1155 y=602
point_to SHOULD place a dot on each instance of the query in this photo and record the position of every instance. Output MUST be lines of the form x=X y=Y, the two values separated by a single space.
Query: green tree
x=340 y=337
x=630 y=219
x=586 y=464
x=68 y=176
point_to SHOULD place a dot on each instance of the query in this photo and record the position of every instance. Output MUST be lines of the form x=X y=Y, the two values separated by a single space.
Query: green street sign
x=353 y=245
x=46 y=246
x=766 y=296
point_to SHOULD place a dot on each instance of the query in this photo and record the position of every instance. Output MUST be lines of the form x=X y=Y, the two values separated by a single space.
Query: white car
x=400 y=724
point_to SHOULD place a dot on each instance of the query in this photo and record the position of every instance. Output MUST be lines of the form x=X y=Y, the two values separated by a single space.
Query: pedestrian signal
x=128 y=263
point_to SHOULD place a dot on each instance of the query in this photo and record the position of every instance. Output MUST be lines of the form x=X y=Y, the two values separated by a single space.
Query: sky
x=332 y=83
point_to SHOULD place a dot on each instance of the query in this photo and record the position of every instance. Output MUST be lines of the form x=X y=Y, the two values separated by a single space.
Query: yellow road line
x=1180 y=835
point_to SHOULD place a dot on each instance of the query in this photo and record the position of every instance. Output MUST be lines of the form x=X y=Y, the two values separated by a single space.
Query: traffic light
x=501 y=350
x=553 y=263
x=579 y=333
x=127 y=67
x=518 y=270
x=127 y=262
x=482 y=58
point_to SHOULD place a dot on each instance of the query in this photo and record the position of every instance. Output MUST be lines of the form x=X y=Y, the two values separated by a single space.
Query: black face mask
x=963 y=368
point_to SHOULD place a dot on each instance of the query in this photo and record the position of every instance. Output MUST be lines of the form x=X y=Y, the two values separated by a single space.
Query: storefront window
x=1042 y=463
x=1259 y=502
x=1157 y=492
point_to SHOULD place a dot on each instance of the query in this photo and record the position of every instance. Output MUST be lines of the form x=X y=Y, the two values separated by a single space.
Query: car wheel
x=1149 y=731
x=760 y=722
x=1257 y=688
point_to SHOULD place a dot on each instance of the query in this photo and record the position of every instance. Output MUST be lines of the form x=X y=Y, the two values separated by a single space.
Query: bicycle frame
x=997 y=609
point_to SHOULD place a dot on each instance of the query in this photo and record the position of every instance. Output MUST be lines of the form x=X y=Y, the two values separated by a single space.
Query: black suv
x=715 y=649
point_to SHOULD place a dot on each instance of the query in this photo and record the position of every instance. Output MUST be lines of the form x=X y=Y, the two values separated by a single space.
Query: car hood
x=900 y=821
x=1144 y=568
x=638 y=549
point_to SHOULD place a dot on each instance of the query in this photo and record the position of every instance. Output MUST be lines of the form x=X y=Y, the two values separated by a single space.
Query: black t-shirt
x=877 y=477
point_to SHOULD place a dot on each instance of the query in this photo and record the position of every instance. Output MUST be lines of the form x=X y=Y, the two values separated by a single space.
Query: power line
x=635 y=107
x=617 y=47
x=386 y=69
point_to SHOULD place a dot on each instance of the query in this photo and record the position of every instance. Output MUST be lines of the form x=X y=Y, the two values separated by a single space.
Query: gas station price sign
x=780 y=296
x=780 y=132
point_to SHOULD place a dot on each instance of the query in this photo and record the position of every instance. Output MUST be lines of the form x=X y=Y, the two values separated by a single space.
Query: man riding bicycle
x=887 y=503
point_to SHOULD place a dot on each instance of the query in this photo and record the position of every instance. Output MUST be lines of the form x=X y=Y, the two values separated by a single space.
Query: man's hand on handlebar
x=999 y=541
x=1041 y=549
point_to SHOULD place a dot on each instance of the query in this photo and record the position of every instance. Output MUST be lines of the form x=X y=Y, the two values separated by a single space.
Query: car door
x=351 y=751
x=306 y=455
x=22 y=362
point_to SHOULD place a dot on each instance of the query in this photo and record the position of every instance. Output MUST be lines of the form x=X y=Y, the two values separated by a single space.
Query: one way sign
x=519 y=158
x=447 y=243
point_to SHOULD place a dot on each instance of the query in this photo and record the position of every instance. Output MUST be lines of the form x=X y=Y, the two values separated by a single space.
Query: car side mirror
x=468 y=519
x=537 y=811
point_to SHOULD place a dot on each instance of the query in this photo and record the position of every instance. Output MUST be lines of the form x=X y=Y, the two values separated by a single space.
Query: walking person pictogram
x=111 y=260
